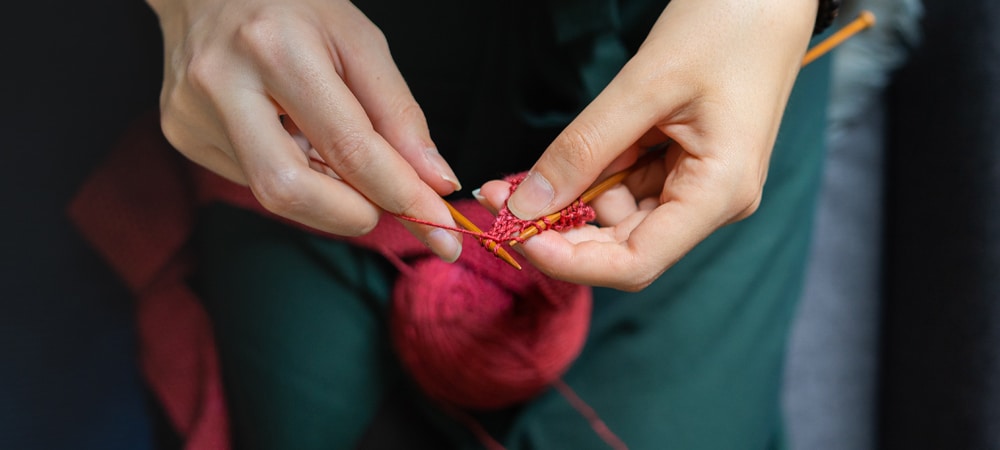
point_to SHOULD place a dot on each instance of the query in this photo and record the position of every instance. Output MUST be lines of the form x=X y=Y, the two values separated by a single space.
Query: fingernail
x=444 y=245
x=532 y=196
x=442 y=168
x=476 y=195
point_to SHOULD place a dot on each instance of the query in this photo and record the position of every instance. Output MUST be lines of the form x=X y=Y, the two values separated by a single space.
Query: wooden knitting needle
x=467 y=224
x=492 y=246
x=864 y=20
x=589 y=195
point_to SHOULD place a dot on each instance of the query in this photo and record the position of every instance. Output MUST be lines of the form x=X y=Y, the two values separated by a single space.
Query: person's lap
x=693 y=361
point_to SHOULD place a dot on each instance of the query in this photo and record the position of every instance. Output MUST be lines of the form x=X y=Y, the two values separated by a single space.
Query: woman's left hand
x=710 y=82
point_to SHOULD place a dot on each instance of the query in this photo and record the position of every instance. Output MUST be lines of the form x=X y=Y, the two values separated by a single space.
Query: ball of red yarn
x=472 y=340
x=477 y=333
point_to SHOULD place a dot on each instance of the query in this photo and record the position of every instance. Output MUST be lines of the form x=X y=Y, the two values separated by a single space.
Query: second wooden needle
x=492 y=246
x=864 y=20
x=588 y=195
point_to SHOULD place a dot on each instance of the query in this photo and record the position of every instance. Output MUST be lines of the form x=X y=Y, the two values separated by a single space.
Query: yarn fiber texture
x=478 y=334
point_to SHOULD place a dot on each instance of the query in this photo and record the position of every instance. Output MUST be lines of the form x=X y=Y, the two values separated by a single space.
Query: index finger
x=311 y=91
x=279 y=176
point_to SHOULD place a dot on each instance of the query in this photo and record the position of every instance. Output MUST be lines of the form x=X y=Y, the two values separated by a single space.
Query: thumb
x=605 y=129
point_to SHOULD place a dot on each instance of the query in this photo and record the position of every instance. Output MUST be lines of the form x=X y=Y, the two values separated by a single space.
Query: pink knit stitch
x=507 y=227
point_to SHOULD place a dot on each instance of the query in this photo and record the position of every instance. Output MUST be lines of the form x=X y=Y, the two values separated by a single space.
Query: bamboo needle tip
x=867 y=17
x=507 y=258
x=464 y=222
x=590 y=194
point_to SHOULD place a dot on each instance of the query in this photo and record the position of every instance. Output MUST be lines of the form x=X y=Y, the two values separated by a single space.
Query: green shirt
x=692 y=362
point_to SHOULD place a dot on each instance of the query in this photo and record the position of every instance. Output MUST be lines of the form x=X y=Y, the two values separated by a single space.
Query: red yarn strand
x=507 y=227
x=585 y=410
x=474 y=427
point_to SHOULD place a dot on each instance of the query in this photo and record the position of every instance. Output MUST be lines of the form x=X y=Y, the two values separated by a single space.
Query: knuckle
x=357 y=222
x=264 y=34
x=409 y=111
x=350 y=154
x=404 y=110
x=362 y=30
x=172 y=128
x=577 y=148
x=634 y=286
x=202 y=71
x=751 y=208
x=278 y=192
x=183 y=127
x=747 y=200
x=377 y=37
x=364 y=226
x=633 y=283
x=406 y=205
x=281 y=193
x=632 y=274
x=639 y=280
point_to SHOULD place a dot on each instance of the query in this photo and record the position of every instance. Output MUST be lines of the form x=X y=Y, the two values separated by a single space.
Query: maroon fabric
x=138 y=211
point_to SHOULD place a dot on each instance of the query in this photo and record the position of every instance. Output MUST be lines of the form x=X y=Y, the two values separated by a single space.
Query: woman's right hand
x=259 y=91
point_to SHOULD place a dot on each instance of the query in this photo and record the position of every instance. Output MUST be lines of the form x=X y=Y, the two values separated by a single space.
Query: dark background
x=940 y=383
x=76 y=73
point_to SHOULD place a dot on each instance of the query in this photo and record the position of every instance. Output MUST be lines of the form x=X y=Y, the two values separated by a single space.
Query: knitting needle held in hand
x=588 y=195
x=490 y=245
x=462 y=221
x=864 y=20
